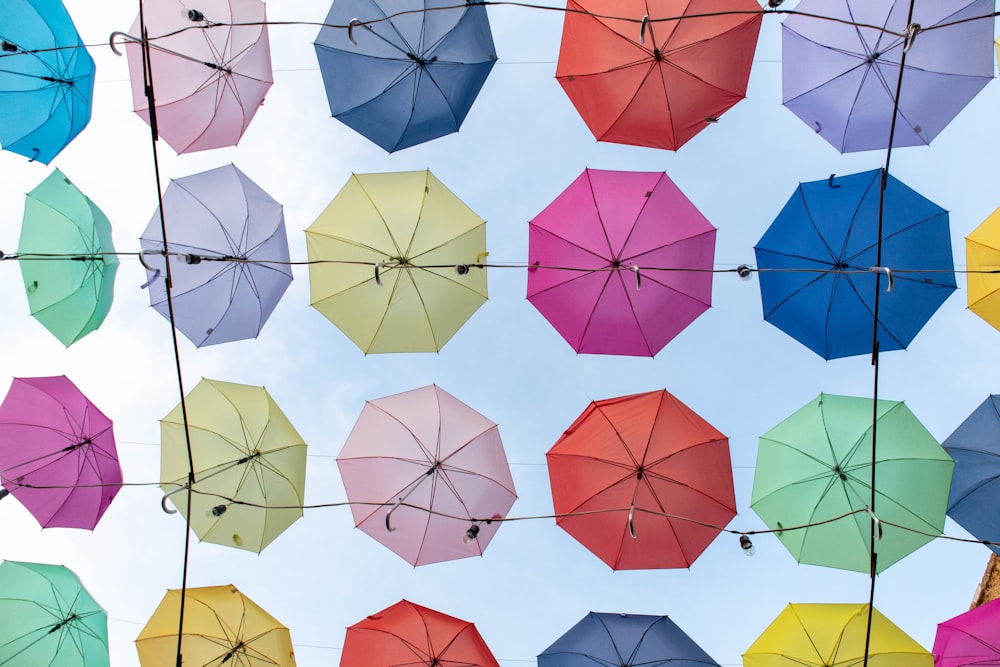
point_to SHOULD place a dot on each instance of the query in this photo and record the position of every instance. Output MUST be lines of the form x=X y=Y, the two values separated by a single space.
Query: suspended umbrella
x=982 y=256
x=840 y=76
x=57 y=453
x=819 y=259
x=426 y=476
x=393 y=262
x=47 y=617
x=969 y=639
x=407 y=71
x=209 y=65
x=833 y=635
x=642 y=481
x=660 y=80
x=249 y=465
x=67 y=259
x=408 y=635
x=46 y=78
x=222 y=626
x=228 y=252
x=620 y=263
x=816 y=467
x=623 y=640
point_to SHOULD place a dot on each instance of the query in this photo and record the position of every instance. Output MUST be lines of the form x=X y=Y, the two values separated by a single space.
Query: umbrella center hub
x=616 y=264
x=840 y=265
x=657 y=55
x=840 y=472
x=873 y=57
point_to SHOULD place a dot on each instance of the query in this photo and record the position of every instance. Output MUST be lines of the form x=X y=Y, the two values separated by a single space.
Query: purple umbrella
x=841 y=78
x=57 y=453
x=228 y=256
x=972 y=638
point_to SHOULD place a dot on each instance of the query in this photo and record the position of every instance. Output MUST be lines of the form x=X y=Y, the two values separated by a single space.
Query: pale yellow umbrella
x=982 y=250
x=221 y=627
x=396 y=262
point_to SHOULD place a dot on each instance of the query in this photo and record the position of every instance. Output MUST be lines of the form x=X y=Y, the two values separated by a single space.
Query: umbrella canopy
x=426 y=476
x=210 y=67
x=833 y=635
x=982 y=256
x=819 y=259
x=816 y=466
x=648 y=482
x=659 y=83
x=47 y=617
x=228 y=252
x=221 y=627
x=970 y=638
x=46 y=78
x=67 y=258
x=393 y=262
x=620 y=262
x=622 y=640
x=840 y=76
x=406 y=635
x=407 y=71
x=974 y=501
x=57 y=453
x=249 y=464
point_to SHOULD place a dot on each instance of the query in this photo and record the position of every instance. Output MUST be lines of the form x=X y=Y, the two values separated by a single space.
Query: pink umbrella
x=620 y=263
x=208 y=79
x=427 y=476
x=972 y=638
x=57 y=453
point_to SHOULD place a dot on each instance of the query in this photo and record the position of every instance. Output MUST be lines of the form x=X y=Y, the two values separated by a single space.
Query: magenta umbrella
x=620 y=263
x=57 y=453
x=972 y=638
x=427 y=476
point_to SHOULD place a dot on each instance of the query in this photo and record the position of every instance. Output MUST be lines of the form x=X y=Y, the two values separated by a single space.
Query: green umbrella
x=816 y=466
x=67 y=259
x=48 y=618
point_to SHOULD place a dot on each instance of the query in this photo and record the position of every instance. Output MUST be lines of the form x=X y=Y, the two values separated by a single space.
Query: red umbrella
x=660 y=80
x=647 y=482
x=408 y=634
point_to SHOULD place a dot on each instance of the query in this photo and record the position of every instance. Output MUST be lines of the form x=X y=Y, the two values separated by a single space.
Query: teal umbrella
x=67 y=259
x=48 y=618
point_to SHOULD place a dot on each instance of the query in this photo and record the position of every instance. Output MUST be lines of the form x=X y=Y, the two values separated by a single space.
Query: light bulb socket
x=194 y=15
x=747 y=545
x=218 y=510
x=471 y=534
x=744 y=272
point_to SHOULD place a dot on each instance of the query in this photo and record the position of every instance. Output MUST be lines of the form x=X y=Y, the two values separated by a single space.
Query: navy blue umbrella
x=974 y=501
x=407 y=71
x=620 y=640
x=818 y=264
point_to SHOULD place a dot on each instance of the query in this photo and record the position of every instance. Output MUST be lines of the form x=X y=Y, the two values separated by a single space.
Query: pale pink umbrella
x=209 y=76
x=426 y=476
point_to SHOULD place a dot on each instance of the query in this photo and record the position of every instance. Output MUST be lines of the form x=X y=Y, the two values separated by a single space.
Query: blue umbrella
x=617 y=640
x=46 y=79
x=818 y=264
x=974 y=501
x=407 y=71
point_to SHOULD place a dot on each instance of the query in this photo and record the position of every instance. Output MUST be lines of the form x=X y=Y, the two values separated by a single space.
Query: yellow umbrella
x=833 y=635
x=221 y=627
x=396 y=262
x=982 y=250
x=245 y=451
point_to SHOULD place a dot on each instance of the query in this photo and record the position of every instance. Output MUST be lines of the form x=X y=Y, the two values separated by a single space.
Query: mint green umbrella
x=48 y=618
x=67 y=259
x=816 y=466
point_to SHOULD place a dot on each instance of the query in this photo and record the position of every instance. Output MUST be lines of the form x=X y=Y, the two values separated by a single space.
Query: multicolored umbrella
x=46 y=78
x=406 y=72
x=840 y=76
x=819 y=259
x=624 y=640
x=974 y=501
x=982 y=257
x=426 y=476
x=659 y=82
x=228 y=256
x=833 y=635
x=970 y=639
x=250 y=464
x=57 y=453
x=221 y=627
x=67 y=259
x=209 y=65
x=620 y=262
x=642 y=481
x=408 y=635
x=396 y=262
x=812 y=483
x=47 y=617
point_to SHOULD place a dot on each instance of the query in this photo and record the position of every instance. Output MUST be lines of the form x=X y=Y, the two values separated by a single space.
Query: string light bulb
x=471 y=533
x=218 y=510
x=747 y=545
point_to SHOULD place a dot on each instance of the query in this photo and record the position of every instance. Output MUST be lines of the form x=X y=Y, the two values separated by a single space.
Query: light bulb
x=218 y=510
x=747 y=545
x=193 y=14
x=4 y=492
x=471 y=534
x=744 y=272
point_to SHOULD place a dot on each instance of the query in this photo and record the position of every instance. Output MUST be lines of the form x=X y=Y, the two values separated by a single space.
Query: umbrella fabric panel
x=973 y=500
x=969 y=638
